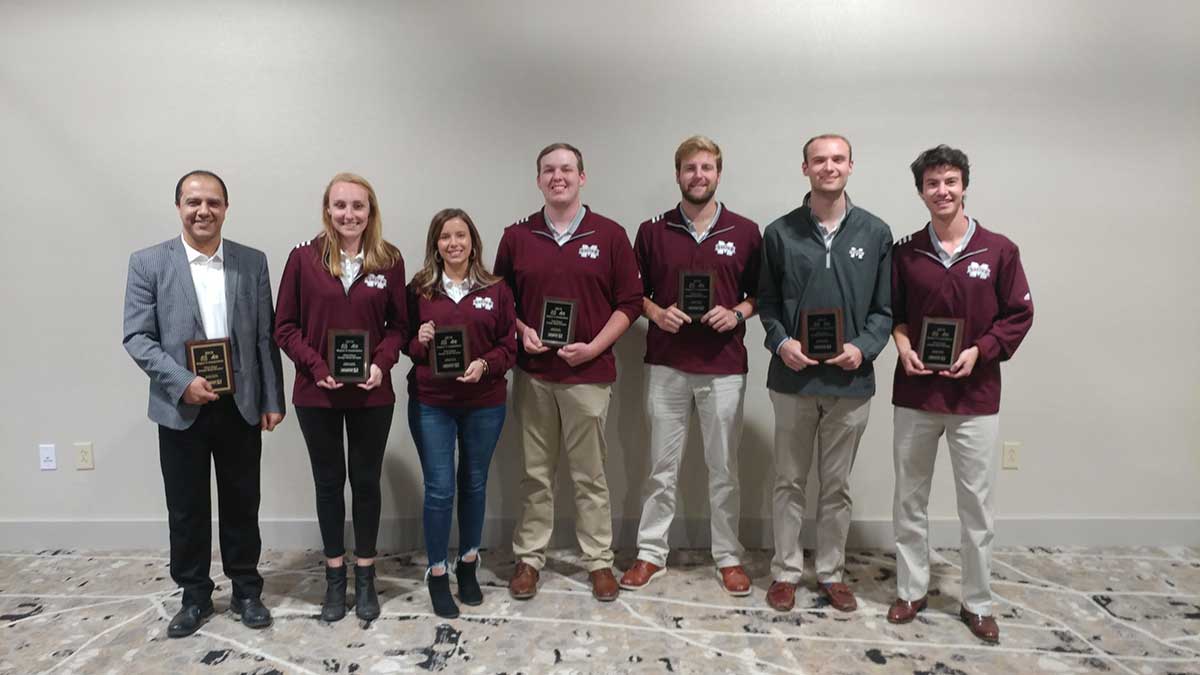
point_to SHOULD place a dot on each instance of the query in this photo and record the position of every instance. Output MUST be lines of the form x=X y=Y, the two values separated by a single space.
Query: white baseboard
x=402 y=534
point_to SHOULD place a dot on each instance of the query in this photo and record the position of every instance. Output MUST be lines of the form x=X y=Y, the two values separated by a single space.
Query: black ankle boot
x=439 y=595
x=366 y=602
x=334 y=607
x=468 y=586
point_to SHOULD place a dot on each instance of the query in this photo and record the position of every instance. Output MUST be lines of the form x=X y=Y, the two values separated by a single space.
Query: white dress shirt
x=457 y=290
x=351 y=268
x=208 y=277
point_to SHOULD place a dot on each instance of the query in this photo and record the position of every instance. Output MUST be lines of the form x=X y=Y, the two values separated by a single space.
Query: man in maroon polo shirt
x=952 y=269
x=561 y=393
x=696 y=358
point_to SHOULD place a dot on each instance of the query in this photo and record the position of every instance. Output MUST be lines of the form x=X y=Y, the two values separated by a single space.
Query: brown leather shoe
x=983 y=627
x=840 y=596
x=904 y=611
x=781 y=596
x=734 y=580
x=524 y=581
x=604 y=585
x=640 y=575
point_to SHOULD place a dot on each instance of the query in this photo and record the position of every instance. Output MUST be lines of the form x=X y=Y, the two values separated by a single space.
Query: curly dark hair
x=942 y=155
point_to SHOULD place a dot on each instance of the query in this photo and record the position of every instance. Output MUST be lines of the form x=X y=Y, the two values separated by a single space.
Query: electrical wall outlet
x=1011 y=457
x=47 y=457
x=84 y=459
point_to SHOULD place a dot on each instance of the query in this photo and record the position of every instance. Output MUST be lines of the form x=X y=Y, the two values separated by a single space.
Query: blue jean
x=435 y=430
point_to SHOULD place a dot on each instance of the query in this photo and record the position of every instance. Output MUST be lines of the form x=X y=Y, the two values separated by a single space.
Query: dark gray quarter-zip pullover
x=854 y=273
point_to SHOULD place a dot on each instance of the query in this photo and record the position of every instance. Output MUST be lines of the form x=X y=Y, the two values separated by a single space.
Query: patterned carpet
x=1130 y=610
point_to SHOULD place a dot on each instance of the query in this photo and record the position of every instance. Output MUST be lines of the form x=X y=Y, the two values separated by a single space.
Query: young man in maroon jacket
x=955 y=269
x=566 y=251
x=696 y=359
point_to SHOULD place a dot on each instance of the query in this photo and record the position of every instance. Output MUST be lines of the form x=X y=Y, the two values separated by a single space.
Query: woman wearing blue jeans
x=454 y=290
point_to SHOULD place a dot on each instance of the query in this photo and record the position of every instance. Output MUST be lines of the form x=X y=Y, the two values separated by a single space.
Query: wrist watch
x=741 y=318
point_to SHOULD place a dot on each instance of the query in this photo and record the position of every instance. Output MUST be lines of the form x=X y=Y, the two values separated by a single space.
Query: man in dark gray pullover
x=826 y=254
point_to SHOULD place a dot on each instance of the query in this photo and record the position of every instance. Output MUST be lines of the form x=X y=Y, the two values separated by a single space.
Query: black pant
x=235 y=448
x=367 y=430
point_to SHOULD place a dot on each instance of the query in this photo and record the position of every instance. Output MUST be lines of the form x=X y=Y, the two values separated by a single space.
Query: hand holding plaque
x=558 y=322
x=821 y=333
x=349 y=355
x=451 y=351
x=941 y=342
x=212 y=360
x=696 y=292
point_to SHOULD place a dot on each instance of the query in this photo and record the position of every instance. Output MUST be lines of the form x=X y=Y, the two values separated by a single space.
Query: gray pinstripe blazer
x=162 y=313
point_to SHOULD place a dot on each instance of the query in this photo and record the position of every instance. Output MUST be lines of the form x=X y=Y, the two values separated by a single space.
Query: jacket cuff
x=417 y=351
x=989 y=348
x=867 y=346
x=632 y=313
x=384 y=362
x=320 y=371
x=178 y=384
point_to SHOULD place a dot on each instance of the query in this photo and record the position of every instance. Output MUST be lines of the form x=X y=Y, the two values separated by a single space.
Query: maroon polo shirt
x=312 y=302
x=731 y=250
x=986 y=287
x=488 y=316
x=596 y=268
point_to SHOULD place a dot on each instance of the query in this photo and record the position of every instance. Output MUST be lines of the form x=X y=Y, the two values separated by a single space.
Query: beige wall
x=1081 y=119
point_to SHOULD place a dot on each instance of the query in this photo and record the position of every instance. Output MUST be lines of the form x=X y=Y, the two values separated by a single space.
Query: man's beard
x=702 y=199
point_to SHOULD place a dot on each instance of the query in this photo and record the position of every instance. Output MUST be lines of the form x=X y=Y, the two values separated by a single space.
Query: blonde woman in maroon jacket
x=455 y=292
x=345 y=278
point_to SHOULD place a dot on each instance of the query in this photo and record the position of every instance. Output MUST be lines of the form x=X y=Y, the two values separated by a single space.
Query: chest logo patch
x=857 y=253
x=376 y=281
x=979 y=270
x=726 y=247
x=589 y=251
x=483 y=303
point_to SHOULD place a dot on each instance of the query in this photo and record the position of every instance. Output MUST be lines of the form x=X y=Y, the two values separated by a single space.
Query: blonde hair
x=694 y=144
x=378 y=255
x=430 y=275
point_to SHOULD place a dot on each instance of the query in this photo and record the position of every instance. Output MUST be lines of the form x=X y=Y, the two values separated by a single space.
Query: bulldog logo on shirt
x=483 y=303
x=979 y=270
x=589 y=251
x=376 y=281
x=857 y=253
x=726 y=248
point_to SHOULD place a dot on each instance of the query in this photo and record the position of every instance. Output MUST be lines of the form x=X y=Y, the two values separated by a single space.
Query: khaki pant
x=973 y=456
x=828 y=428
x=561 y=419
x=718 y=399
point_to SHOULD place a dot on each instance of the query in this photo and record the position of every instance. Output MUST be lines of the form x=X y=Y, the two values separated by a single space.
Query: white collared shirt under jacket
x=208 y=278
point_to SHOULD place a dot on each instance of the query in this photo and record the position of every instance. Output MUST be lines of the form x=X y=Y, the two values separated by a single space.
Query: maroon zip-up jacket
x=490 y=321
x=664 y=247
x=986 y=287
x=596 y=268
x=312 y=302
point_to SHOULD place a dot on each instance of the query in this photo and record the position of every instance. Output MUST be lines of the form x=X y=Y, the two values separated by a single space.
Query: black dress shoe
x=366 y=602
x=468 y=585
x=253 y=612
x=188 y=620
x=334 y=607
x=439 y=595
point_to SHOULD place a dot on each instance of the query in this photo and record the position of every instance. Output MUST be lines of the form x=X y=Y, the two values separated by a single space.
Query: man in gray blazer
x=200 y=287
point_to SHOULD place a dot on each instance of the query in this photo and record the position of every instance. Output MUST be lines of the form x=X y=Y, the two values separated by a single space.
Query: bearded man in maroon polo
x=699 y=263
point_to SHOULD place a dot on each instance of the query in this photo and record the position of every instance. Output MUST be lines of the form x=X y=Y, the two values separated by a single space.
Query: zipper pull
x=826 y=258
